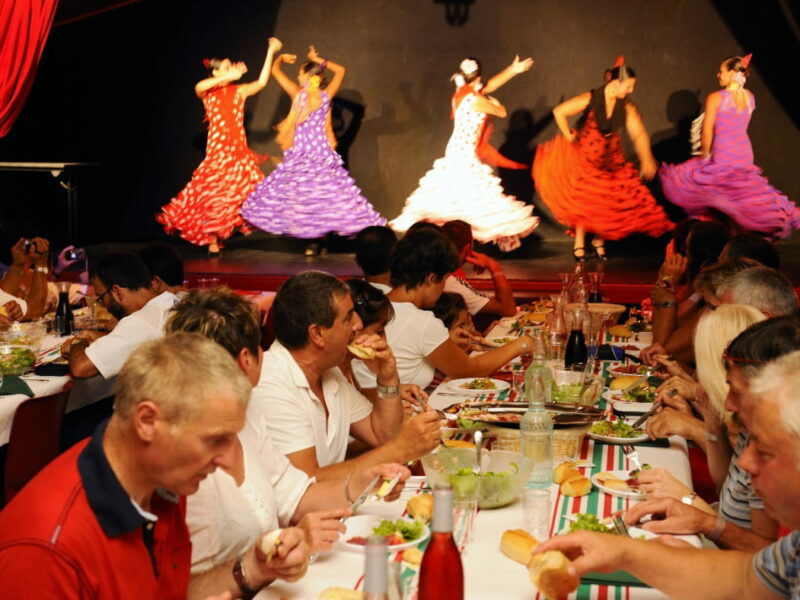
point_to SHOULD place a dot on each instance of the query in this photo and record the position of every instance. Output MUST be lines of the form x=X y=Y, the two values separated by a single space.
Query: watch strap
x=241 y=580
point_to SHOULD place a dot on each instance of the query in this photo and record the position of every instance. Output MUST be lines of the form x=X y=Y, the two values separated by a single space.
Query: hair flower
x=468 y=66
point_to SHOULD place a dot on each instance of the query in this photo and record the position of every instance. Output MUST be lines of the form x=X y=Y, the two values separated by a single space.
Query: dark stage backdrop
x=117 y=89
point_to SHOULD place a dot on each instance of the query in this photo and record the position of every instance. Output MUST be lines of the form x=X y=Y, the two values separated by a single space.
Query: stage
x=261 y=262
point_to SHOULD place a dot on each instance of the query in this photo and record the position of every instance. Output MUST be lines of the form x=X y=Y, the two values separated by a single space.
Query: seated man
x=106 y=518
x=771 y=411
x=503 y=303
x=23 y=290
x=375 y=246
x=768 y=290
x=165 y=267
x=262 y=490
x=305 y=400
x=122 y=285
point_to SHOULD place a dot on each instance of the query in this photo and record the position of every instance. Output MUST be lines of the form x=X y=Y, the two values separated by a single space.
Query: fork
x=632 y=455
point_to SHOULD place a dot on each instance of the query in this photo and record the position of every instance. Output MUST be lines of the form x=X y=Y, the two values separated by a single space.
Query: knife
x=363 y=497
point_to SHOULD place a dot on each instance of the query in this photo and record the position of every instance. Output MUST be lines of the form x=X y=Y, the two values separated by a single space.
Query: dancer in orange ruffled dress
x=583 y=177
x=206 y=211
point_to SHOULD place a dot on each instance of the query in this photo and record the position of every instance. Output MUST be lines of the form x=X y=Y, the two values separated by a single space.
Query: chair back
x=34 y=439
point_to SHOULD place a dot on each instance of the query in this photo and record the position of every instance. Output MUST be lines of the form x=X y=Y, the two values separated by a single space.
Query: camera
x=75 y=254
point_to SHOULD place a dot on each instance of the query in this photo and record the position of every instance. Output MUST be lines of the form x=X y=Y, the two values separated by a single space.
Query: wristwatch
x=241 y=580
x=388 y=391
x=688 y=499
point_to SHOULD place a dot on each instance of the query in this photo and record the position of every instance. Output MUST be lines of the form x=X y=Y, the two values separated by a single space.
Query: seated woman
x=420 y=342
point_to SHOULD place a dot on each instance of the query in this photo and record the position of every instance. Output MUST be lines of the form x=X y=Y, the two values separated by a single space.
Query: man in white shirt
x=375 y=246
x=502 y=303
x=307 y=403
x=122 y=285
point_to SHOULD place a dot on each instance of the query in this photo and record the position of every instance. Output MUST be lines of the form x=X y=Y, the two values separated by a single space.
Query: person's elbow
x=82 y=368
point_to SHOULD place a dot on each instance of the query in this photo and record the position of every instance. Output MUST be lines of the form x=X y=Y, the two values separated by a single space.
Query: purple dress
x=310 y=193
x=729 y=182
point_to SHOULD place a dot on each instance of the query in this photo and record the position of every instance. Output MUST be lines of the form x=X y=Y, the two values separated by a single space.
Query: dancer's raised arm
x=490 y=106
x=338 y=71
x=223 y=72
x=515 y=68
x=641 y=141
x=289 y=86
x=248 y=89
x=567 y=109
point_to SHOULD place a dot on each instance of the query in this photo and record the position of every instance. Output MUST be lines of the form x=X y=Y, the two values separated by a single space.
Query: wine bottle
x=576 y=353
x=441 y=576
x=64 y=320
x=376 y=581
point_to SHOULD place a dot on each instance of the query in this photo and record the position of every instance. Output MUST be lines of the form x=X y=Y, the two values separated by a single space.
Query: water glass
x=208 y=283
x=536 y=508
x=464 y=511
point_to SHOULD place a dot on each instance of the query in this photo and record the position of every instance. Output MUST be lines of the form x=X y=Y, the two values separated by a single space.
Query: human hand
x=660 y=483
x=481 y=262
x=322 y=527
x=20 y=256
x=222 y=596
x=361 y=479
x=648 y=168
x=673 y=268
x=461 y=337
x=676 y=386
x=648 y=355
x=40 y=251
x=413 y=395
x=670 y=516
x=274 y=44
x=520 y=66
x=590 y=551
x=671 y=366
x=90 y=335
x=384 y=364
x=672 y=422
x=419 y=435
x=13 y=310
x=289 y=562
x=312 y=55
x=289 y=59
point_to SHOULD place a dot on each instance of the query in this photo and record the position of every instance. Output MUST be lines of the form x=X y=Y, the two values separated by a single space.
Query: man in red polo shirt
x=106 y=518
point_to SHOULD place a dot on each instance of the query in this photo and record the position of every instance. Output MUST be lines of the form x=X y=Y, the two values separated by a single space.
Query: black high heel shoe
x=600 y=251
x=579 y=257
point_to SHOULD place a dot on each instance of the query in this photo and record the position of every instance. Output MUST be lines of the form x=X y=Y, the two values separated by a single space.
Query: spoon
x=477 y=438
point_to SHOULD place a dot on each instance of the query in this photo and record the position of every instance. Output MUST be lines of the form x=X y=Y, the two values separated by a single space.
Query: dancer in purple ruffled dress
x=310 y=194
x=724 y=179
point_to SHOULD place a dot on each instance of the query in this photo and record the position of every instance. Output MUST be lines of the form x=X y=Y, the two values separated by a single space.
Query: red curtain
x=24 y=25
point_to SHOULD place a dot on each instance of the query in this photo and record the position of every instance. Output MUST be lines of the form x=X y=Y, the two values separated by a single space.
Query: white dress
x=461 y=186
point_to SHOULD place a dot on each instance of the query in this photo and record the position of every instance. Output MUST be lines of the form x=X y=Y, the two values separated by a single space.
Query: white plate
x=618 y=440
x=639 y=533
x=615 y=372
x=362 y=526
x=615 y=397
x=623 y=493
x=455 y=386
x=639 y=347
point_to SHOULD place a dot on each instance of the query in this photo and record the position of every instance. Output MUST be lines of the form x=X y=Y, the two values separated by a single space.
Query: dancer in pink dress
x=724 y=179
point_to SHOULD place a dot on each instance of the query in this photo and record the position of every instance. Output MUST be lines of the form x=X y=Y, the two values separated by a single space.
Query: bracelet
x=39 y=269
x=240 y=576
x=323 y=65
x=346 y=490
x=719 y=527
x=712 y=437
x=388 y=391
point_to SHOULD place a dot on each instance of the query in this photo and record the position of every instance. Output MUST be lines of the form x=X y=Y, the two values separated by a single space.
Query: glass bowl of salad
x=16 y=359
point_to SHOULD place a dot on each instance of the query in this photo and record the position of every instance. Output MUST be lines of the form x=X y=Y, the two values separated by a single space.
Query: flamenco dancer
x=724 y=179
x=583 y=177
x=206 y=211
x=462 y=185
x=310 y=194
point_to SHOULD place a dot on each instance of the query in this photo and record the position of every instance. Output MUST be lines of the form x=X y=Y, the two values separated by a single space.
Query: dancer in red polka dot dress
x=206 y=211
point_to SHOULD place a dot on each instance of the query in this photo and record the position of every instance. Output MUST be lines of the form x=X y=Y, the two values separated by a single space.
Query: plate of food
x=627 y=403
x=616 y=431
x=629 y=369
x=501 y=341
x=617 y=483
x=632 y=348
x=400 y=533
x=590 y=522
x=477 y=385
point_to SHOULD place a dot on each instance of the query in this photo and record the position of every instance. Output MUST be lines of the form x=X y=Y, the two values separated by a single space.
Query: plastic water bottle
x=536 y=427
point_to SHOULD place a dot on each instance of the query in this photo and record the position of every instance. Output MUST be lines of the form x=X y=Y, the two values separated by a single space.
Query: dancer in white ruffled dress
x=462 y=185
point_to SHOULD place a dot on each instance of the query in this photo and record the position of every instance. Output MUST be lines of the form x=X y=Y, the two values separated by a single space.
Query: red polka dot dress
x=208 y=207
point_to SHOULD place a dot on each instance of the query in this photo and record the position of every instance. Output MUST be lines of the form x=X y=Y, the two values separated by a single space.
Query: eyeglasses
x=735 y=360
x=100 y=297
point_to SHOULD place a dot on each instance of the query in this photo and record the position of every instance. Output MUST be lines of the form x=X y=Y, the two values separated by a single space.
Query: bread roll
x=620 y=383
x=270 y=543
x=610 y=481
x=420 y=507
x=412 y=556
x=340 y=593
x=577 y=486
x=361 y=352
x=620 y=331
x=518 y=545
x=549 y=572
x=561 y=469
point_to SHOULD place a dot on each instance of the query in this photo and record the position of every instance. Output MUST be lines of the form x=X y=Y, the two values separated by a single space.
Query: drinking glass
x=536 y=508
x=208 y=283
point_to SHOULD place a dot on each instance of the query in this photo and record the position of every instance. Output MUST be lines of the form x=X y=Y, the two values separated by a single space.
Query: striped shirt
x=737 y=497
x=778 y=566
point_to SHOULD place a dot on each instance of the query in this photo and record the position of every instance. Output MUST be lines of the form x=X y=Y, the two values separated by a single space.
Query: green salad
x=15 y=361
x=495 y=486
x=644 y=393
x=618 y=429
x=566 y=393
x=409 y=530
x=590 y=522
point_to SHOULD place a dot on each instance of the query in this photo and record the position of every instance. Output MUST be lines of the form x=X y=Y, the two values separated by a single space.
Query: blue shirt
x=778 y=566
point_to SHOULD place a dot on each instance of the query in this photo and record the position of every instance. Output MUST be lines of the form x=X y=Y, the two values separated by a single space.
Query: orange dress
x=589 y=183
x=208 y=207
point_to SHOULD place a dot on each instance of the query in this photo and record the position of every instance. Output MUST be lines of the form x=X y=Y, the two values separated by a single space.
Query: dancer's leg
x=578 y=249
